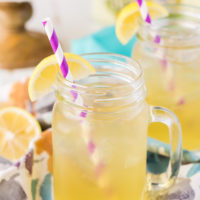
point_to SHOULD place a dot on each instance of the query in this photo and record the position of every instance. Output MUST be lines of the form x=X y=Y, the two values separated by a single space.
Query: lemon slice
x=44 y=75
x=17 y=129
x=127 y=20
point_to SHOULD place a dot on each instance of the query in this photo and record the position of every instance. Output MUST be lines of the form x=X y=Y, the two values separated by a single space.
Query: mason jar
x=100 y=140
x=169 y=52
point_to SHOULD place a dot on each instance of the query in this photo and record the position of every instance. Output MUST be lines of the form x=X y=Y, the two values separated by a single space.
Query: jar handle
x=157 y=183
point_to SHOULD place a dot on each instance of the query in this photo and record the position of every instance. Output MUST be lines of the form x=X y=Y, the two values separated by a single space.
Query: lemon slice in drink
x=127 y=20
x=44 y=75
x=17 y=129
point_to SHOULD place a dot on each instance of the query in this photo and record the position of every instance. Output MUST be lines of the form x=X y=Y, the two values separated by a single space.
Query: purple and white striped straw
x=57 y=49
x=91 y=146
x=144 y=11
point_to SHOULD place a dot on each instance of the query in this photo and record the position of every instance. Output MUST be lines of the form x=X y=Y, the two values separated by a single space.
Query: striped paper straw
x=53 y=39
x=57 y=49
x=144 y=11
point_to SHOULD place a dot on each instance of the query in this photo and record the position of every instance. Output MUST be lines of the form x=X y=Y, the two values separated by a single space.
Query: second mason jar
x=169 y=51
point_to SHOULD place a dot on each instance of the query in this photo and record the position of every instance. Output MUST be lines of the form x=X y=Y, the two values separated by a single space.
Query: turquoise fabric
x=103 y=41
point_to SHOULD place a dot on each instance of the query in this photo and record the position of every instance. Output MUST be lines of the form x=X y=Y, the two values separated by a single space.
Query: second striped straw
x=170 y=83
x=144 y=11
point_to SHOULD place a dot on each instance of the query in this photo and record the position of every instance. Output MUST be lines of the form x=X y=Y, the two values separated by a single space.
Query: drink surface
x=172 y=74
x=119 y=133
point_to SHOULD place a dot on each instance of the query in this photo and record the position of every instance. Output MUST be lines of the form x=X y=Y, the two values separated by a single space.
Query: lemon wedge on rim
x=127 y=20
x=44 y=75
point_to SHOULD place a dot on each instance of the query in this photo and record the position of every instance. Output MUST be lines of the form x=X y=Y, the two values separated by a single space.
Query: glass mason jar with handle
x=172 y=68
x=100 y=146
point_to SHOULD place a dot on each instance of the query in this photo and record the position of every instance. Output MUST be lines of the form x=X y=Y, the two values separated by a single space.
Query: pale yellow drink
x=116 y=122
x=121 y=144
x=172 y=69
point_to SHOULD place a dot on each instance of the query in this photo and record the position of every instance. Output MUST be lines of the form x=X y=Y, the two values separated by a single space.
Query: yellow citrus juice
x=121 y=145
x=176 y=86
x=116 y=122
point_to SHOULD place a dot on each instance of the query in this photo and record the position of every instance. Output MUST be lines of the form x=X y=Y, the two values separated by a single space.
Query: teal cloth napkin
x=104 y=40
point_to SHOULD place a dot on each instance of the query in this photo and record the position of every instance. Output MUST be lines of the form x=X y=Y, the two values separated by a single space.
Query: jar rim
x=118 y=79
x=188 y=34
x=89 y=56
